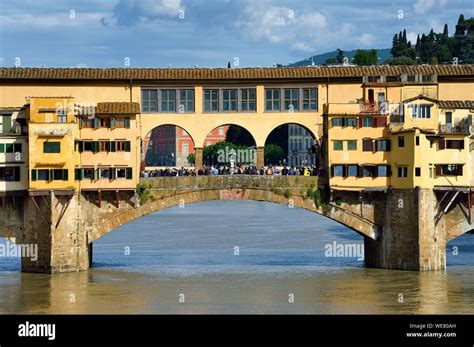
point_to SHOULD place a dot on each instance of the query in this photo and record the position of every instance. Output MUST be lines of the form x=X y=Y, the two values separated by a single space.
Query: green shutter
x=81 y=123
x=16 y=173
x=2 y=148
x=7 y=123
x=113 y=173
x=95 y=146
x=65 y=175
x=78 y=174
x=113 y=146
x=127 y=146
x=112 y=123
x=96 y=123
x=33 y=175
x=127 y=123
x=96 y=174
x=129 y=173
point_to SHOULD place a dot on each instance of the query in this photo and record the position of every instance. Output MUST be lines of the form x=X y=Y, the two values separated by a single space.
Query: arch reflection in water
x=191 y=251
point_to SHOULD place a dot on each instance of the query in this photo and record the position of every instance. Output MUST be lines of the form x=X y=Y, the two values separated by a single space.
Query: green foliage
x=436 y=48
x=340 y=56
x=287 y=193
x=218 y=153
x=365 y=57
x=274 y=153
x=310 y=193
x=338 y=201
x=142 y=192
x=239 y=136
x=191 y=158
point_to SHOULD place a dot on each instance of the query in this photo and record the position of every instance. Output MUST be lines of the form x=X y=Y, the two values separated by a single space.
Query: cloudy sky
x=207 y=33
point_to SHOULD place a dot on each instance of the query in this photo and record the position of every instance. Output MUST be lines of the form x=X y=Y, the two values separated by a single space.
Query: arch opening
x=169 y=146
x=292 y=145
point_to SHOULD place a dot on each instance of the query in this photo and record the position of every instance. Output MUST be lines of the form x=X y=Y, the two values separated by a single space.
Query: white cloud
x=423 y=6
x=366 y=39
x=411 y=36
x=160 y=7
x=2 y=61
x=301 y=47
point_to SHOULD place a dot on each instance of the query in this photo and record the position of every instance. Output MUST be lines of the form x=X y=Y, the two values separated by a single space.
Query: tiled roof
x=468 y=104
x=418 y=97
x=230 y=74
x=118 y=108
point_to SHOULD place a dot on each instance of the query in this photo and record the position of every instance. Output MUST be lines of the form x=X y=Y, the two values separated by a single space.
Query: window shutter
x=388 y=145
x=50 y=175
x=33 y=175
x=459 y=170
x=127 y=146
x=344 y=170
x=381 y=121
x=442 y=144
x=461 y=144
x=374 y=121
x=96 y=123
x=96 y=174
x=360 y=171
x=95 y=146
x=438 y=170
x=332 y=170
x=2 y=148
x=112 y=123
x=127 y=123
x=129 y=173
x=81 y=122
x=77 y=174
x=360 y=122
x=65 y=175
x=16 y=173
x=81 y=146
x=113 y=146
x=111 y=173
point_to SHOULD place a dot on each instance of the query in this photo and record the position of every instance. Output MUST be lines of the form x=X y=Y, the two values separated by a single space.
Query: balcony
x=460 y=128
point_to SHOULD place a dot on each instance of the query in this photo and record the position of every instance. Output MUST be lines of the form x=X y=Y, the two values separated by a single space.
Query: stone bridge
x=402 y=229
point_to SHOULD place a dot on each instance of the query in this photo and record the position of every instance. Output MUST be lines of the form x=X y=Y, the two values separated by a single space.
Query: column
x=260 y=157
x=198 y=160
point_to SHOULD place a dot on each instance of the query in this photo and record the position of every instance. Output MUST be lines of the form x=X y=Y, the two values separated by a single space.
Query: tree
x=279 y=136
x=340 y=56
x=239 y=136
x=365 y=57
x=191 y=158
x=274 y=154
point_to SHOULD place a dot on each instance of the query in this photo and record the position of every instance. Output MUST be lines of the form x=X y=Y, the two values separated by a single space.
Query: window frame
x=177 y=98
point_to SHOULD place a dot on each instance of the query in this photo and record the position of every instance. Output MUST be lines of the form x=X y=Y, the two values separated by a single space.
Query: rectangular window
x=89 y=173
x=9 y=173
x=421 y=111
x=168 y=100
x=417 y=140
x=120 y=173
x=5 y=123
x=337 y=122
x=186 y=100
x=122 y=122
x=382 y=145
x=51 y=147
x=291 y=99
x=338 y=170
x=104 y=122
x=184 y=148
x=248 y=99
x=351 y=122
x=337 y=145
x=449 y=170
x=367 y=145
x=105 y=146
x=352 y=145
x=149 y=100
x=455 y=144
x=59 y=175
x=368 y=171
x=229 y=100
x=104 y=174
x=401 y=141
x=42 y=175
x=310 y=99
x=418 y=171
x=367 y=122
x=211 y=100
x=272 y=99
x=352 y=170
x=122 y=146
x=402 y=171
x=383 y=170
x=9 y=148
x=62 y=116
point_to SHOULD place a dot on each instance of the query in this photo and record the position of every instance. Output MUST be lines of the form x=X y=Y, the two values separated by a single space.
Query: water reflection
x=191 y=251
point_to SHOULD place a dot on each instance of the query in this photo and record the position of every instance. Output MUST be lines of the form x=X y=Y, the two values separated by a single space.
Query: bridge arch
x=358 y=224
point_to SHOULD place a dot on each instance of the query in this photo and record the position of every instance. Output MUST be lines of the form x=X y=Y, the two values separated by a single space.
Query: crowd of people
x=237 y=170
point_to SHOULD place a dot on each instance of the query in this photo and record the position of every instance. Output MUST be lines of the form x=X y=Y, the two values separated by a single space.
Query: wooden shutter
x=113 y=146
x=96 y=123
x=65 y=175
x=381 y=121
x=360 y=122
x=442 y=144
x=461 y=144
x=2 y=148
x=33 y=175
x=77 y=174
x=388 y=145
x=438 y=170
x=127 y=123
x=129 y=173
x=127 y=146
x=459 y=170
x=112 y=172
x=16 y=173
x=95 y=146
x=332 y=170
x=112 y=123
x=81 y=122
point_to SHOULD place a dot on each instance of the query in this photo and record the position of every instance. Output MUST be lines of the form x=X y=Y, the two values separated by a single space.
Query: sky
x=206 y=33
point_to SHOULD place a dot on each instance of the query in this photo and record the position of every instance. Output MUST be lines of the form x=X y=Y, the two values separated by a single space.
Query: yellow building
x=398 y=134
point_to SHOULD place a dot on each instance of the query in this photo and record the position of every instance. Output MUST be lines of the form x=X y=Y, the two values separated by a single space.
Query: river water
x=237 y=257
